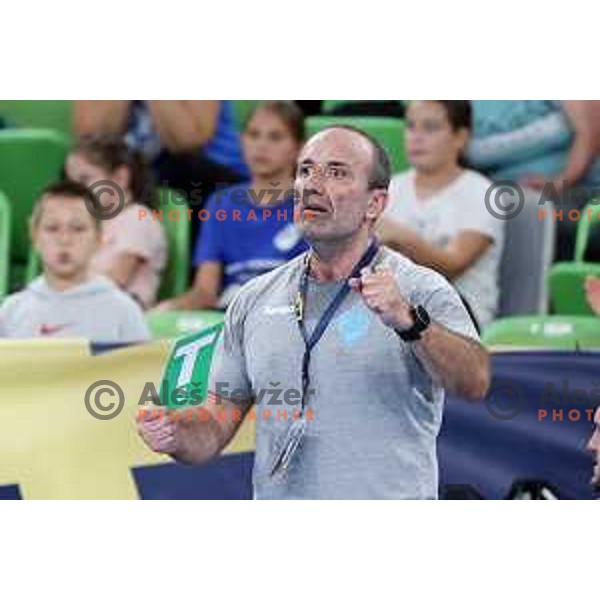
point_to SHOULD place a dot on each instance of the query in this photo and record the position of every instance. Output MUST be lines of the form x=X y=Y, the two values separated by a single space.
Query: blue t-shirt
x=223 y=148
x=247 y=239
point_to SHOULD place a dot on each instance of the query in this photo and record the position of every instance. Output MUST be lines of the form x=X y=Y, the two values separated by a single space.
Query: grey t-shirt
x=376 y=412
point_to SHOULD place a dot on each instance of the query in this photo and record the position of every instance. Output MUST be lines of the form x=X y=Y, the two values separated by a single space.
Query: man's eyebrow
x=331 y=163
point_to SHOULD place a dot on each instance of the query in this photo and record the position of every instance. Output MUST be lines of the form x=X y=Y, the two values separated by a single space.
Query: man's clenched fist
x=381 y=294
x=158 y=433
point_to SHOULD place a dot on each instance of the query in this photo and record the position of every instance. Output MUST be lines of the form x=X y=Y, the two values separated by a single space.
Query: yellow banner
x=50 y=444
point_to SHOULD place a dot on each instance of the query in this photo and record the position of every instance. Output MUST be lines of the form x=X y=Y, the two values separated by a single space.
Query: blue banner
x=530 y=432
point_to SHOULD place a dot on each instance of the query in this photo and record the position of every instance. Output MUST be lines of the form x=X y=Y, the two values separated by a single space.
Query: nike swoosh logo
x=46 y=329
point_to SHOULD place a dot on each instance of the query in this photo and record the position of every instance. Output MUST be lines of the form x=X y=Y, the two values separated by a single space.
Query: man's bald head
x=342 y=180
x=380 y=171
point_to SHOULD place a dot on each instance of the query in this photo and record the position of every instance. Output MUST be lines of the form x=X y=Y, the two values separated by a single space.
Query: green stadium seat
x=566 y=283
x=388 y=131
x=544 y=332
x=242 y=110
x=38 y=114
x=328 y=106
x=30 y=159
x=175 y=279
x=584 y=228
x=566 y=279
x=173 y=324
x=5 y=224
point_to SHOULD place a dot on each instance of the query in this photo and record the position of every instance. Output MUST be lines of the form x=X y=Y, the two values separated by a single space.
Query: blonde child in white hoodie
x=66 y=301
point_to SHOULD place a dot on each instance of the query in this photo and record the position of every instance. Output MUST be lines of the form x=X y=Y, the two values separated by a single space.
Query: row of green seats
x=30 y=159
x=174 y=324
x=529 y=332
x=556 y=332
x=54 y=115
x=388 y=131
x=57 y=115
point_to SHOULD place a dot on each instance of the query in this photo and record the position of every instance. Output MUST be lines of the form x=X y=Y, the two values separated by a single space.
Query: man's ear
x=377 y=204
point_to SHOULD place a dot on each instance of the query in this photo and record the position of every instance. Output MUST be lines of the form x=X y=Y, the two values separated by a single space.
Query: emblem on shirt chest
x=352 y=325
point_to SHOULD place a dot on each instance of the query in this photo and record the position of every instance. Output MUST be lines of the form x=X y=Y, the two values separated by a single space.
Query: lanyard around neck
x=311 y=341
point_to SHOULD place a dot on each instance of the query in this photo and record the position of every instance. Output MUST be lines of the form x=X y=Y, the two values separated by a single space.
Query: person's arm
x=123 y=267
x=583 y=116
x=194 y=440
x=462 y=251
x=204 y=293
x=459 y=363
x=197 y=440
x=100 y=116
x=184 y=125
x=592 y=290
x=580 y=114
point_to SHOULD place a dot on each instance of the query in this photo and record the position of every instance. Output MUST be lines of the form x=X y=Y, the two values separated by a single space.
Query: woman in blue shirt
x=249 y=229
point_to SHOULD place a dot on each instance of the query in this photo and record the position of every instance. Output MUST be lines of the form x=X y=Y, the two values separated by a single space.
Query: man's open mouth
x=316 y=209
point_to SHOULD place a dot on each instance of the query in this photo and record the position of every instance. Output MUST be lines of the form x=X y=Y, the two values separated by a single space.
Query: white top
x=460 y=206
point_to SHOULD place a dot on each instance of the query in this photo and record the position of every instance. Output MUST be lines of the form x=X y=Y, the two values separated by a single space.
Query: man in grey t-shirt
x=383 y=338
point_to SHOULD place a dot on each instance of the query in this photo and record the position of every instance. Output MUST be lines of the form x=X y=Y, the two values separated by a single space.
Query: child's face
x=81 y=170
x=66 y=236
x=431 y=142
x=269 y=147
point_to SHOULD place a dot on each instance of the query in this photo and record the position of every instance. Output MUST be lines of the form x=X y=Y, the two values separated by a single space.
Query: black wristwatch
x=421 y=321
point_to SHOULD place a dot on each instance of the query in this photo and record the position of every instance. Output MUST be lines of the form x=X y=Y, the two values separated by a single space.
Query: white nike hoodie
x=96 y=310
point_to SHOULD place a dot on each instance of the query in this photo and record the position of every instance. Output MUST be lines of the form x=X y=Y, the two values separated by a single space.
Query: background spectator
x=436 y=214
x=66 y=301
x=133 y=252
x=230 y=252
x=191 y=144
x=537 y=142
